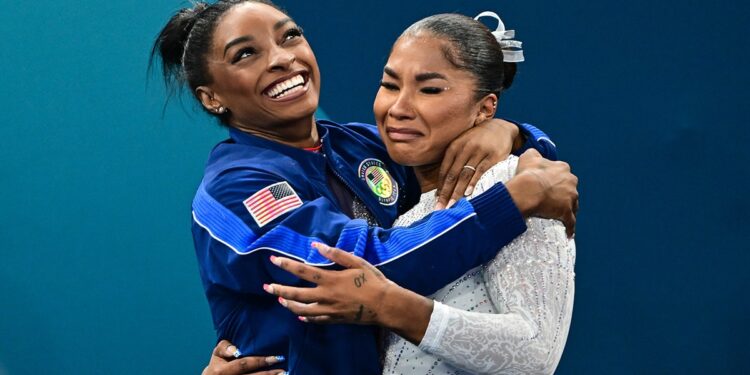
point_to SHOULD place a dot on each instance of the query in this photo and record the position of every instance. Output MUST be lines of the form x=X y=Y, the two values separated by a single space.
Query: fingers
x=570 y=216
x=310 y=312
x=448 y=175
x=528 y=159
x=271 y=372
x=322 y=319
x=299 y=269
x=482 y=167
x=467 y=174
x=569 y=220
x=338 y=256
x=226 y=350
x=305 y=309
x=571 y=230
x=575 y=196
x=246 y=365
x=256 y=363
x=346 y=259
x=306 y=295
x=532 y=152
x=313 y=274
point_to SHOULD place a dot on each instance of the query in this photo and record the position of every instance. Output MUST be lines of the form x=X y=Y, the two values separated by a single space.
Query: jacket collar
x=241 y=137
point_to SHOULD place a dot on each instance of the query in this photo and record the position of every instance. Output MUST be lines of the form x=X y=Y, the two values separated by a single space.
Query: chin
x=407 y=158
x=301 y=110
x=309 y=109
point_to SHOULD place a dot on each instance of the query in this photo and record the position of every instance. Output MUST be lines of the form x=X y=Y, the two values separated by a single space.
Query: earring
x=221 y=110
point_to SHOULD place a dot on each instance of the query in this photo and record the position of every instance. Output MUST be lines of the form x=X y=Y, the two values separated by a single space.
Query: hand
x=359 y=294
x=480 y=147
x=224 y=362
x=353 y=295
x=545 y=189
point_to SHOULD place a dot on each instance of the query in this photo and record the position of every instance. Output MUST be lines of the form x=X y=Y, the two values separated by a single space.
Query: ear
x=208 y=99
x=487 y=109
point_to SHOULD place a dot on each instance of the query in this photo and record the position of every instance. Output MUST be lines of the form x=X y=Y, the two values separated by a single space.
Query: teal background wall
x=647 y=100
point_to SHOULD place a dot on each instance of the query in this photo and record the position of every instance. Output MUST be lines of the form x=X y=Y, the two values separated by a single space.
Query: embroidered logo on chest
x=380 y=182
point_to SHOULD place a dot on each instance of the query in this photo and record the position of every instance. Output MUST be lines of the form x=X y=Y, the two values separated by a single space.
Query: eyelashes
x=243 y=53
x=388 y=86
x=432 y=90
x=294 y=32
x=290 y=35
x=425 y=90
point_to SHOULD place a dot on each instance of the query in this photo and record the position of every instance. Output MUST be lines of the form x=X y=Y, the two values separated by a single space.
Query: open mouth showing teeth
x=288 y=87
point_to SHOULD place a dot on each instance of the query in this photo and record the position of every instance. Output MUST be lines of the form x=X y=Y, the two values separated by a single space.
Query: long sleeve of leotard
x=531 y=285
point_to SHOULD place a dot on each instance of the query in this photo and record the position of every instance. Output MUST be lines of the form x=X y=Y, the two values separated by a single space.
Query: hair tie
x=512 y=51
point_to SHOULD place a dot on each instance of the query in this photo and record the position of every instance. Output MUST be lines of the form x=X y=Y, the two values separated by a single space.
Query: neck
x=427 y=175
x=300 y=133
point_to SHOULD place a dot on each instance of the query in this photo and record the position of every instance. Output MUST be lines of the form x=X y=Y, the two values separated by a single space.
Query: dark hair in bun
x=472 y=48
x=185 y=40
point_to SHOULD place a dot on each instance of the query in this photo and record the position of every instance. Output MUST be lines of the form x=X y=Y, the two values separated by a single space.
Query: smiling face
x=262 y=71
x=424 y=101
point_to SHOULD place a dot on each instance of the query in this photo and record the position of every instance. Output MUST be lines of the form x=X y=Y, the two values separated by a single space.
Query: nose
x=281 y=59
x=402 y=109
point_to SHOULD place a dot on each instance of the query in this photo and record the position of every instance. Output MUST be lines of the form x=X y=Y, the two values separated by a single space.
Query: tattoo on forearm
x=358 y=316
x=359 y=280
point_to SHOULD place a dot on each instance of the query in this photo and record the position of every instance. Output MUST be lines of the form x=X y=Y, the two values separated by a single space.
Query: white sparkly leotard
x=509 y=316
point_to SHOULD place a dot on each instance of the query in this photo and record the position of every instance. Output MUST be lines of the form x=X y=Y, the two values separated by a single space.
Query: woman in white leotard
x=445 y=74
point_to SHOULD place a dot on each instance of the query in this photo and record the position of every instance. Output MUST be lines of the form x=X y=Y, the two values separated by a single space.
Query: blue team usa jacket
x=260 y=198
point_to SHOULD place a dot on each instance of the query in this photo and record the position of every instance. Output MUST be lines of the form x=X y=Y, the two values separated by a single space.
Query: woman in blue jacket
x=283 y=181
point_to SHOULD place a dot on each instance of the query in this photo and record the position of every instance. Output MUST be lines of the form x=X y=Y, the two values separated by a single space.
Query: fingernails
x=302 y=319
x=322 y=248
x=451 y=203
x=469 y=190
x=283 y=302
x=233 y=351
x=275 y=359
x=275 y=260
x=439 y=206
x=268 y=288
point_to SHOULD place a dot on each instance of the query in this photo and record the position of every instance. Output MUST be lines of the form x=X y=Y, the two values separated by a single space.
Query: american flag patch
x=375 y=176
x=272 y=202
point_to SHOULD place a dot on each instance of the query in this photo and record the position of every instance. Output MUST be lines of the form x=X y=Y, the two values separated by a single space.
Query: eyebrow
x=390 y=72
x=281 y=23
x=428 y=76
x=248 y=38
x=419 y=78
x=242 y=39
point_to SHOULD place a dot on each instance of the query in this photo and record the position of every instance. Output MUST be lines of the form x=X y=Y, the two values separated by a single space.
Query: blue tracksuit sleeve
x=233 y=245
x=536 y=139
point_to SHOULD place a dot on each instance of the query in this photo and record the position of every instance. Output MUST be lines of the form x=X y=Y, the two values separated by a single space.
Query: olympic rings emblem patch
x=380 y=182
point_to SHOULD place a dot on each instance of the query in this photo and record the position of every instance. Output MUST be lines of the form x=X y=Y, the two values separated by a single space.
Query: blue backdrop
x=644 y=98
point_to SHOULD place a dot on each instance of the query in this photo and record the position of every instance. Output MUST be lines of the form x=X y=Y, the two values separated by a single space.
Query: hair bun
x=171 y=41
